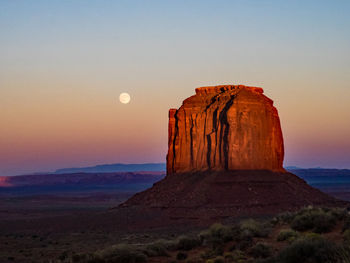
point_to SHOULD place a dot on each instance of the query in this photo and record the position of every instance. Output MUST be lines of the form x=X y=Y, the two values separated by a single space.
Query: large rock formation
x=225 y=159
x=225 y=128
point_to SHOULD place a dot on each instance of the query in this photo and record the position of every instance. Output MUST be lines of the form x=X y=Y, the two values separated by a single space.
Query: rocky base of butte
x=225 y=159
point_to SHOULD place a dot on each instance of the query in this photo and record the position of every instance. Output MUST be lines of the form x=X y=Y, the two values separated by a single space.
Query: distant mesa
x=116 y=167
x=225 y=158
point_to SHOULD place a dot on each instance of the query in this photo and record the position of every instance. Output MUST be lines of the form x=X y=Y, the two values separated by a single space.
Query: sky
x=63 y=65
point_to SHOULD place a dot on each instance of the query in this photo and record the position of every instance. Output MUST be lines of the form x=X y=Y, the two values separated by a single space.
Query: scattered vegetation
x=318 y=220
x=313 y=250
x=120 y=253
x=158 y=248
x=254 y=228
x=298 y=237
x=261 y=250
x=346 y=237
x=188 y=243
x=287 y=235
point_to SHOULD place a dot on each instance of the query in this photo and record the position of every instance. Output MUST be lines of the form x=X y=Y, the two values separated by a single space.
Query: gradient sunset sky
x=63 y=65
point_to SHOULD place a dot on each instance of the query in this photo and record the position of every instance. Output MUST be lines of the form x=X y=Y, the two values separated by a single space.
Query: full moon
x=124 y=98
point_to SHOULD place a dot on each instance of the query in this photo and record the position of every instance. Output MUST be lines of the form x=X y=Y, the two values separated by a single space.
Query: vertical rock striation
x=225 y=128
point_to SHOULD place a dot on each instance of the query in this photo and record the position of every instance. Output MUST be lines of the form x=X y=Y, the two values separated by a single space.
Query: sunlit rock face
x=225 y=128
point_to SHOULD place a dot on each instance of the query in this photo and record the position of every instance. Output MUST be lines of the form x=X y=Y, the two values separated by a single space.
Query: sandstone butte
x=225 y=128
x=225 y=159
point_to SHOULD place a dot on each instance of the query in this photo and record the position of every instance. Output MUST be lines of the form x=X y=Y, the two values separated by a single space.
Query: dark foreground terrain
x=311 y=235
x=75 y=223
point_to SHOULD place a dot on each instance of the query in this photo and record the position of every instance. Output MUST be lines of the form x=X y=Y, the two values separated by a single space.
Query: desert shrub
x=302 y=222
x=229 y=256
x=122 y=253
x=254 y=228
x=221 y=231
x=168 y=244
x=312 y=250
x=216 y=235
x=346 y=223
x=181 y=256
x=286 y=217
x=287 y=234
x=312 y=235
x=317 y=220
x=188 y=243
x=274 y=221
x=324 y=223
x=206 y=254
x=346 y=236
x=338 y=213
x=238 y=255
x=156 y=249
x=261 y=250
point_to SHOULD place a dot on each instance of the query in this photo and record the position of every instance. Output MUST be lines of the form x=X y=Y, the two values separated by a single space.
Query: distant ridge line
x=117 y=167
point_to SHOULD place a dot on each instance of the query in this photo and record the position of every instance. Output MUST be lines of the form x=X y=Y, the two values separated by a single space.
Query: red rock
x=225 y=159
x=225 y=128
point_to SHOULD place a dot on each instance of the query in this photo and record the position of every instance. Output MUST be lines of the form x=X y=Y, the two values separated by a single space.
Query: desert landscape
x=224 y=171
x=190 y=131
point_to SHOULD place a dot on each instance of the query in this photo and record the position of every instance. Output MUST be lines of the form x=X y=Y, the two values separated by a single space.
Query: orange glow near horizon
x=63 y=67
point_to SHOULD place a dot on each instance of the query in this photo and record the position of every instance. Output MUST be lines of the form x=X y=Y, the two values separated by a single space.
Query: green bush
x=302 y=222
x=346 y=223
x=312 y=250
x=312 y=235
x=238 y=255
x=346 y=236
x=286 y=217
x=229 y=256
x=221 y=231
x=255 y=228
x=121 y=253
x=324 y=223
x=317 y=220
x=339 y=213
x=261 y=250
x=187 y=243
x=287 y=235
x=155 y=249
x=216 y=235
